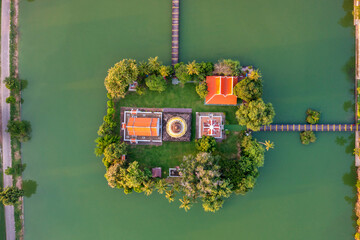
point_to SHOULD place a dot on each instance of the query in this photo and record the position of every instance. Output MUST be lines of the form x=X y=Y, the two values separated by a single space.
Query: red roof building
x=220 y=90
x=137 y=126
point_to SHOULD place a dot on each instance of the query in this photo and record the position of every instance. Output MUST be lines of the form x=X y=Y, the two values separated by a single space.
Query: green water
x=304 y=49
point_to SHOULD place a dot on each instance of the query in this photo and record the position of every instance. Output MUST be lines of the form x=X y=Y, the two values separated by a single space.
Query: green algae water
x=305 y=52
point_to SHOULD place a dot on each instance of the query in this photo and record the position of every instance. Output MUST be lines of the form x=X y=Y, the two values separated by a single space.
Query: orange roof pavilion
x=220 y=90
x=143 y=126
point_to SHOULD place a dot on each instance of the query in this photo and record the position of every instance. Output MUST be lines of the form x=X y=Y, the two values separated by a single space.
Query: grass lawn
x=170 y=154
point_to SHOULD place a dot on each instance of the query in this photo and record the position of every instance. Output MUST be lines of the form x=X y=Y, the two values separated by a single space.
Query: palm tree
x=357 y=151
x=192 y=68
x=161 y=186
x=255 y=74
x=185 y=203
x=268 y=145
x=170 y=195
x=148 y=187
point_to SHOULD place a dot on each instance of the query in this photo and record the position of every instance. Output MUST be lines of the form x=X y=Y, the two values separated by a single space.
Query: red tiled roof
x=221 y=90
x=143 y=126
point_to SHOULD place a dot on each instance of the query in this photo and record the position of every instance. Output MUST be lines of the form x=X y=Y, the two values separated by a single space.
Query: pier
x=175 y=32
x=310 y=127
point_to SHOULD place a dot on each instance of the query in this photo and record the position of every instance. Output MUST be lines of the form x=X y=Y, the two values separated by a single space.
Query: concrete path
x=5 y=113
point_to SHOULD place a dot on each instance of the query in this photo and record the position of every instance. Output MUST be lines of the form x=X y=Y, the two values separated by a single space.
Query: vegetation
x=307 y=137
x=120 y=76
x=254 y=114
x=20 y=130
x=156 y=83
x=202 y=179
x=201 y=90
x=249 y=89
x=11 y=195
x=205 y=144
x=227 y=67
x=313 y=116
x=193 y=71
x=11 y=99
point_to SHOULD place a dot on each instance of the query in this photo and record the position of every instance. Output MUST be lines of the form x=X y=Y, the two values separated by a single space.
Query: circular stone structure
x=176 y=127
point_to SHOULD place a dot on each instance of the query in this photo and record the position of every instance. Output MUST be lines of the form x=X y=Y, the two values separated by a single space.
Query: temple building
x=221 y=90
x=210 y=124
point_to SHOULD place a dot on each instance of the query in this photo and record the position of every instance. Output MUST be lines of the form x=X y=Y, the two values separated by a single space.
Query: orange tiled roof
x=143 y=126
x=221 y=90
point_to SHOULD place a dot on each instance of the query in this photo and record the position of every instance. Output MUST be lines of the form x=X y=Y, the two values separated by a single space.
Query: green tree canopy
x=20 y=130
x=120 y=76
x=313 y=116
x=11 y=195
x=307 y=137
x=181 y=72
x=201 y=90
x=205 y=144
x=255 y=114
x=202 y=178
x=156 y=83
x=113 y=153
x=248 y=89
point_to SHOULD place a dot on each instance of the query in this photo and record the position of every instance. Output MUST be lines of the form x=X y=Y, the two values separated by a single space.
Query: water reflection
x=349 y=69
x=348 y=142
x=347 y=20
x=349 y=179
x=29 y=187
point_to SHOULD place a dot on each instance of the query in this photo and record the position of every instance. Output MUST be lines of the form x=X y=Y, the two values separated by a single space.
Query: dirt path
x=5 y=113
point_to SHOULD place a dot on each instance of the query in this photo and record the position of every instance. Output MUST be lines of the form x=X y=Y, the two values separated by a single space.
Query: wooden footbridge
x=175 y=32
x=310 y=127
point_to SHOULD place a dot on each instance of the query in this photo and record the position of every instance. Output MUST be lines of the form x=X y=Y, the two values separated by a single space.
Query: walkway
x=5 y=113
x=175 y=32
x=310 y=127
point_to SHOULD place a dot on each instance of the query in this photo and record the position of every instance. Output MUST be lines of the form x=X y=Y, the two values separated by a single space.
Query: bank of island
x=183 y=129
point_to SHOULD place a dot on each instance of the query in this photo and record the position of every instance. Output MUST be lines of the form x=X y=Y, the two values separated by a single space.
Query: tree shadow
x=349 y=69
x=340 y=141
x=349 y=179
x=349 y=149
x=349 y=105
x=348 y=19
x=29 y=187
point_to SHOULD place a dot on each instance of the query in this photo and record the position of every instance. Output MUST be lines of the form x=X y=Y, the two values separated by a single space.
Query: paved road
x=5 y=113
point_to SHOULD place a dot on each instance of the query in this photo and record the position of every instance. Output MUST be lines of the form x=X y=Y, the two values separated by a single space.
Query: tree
x=11 y=195
x=113 y=153
x=313 y=116
x=185 y=203
x=161 y=186
x=205 y=144
x=202 y=178
x=156 y=83
x=12 y=83
x=120 y=76
x=356 y=151
x=181 y=73
x=201 y=90
x=193 y=68
x=154 y=65
x=10 y=99
x=253 y=150
x=170 y=195
x=165 y=71
x=227 y=67
x=307 y=137
x=103 y=142
x=205 y=69
x=268 y=145
x=254 y=114
x=20 y=130
x=248 y=89
x=255 y=74
x=148 y=187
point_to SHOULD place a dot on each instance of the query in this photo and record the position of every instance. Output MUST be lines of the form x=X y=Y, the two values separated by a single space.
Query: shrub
x=307 y=137
x=181 y=73
x=156 y=83
x=16 y=169
x=10 y=99
x=20 y=130
x=206 y=144
x=201 y=90
x=165 y=71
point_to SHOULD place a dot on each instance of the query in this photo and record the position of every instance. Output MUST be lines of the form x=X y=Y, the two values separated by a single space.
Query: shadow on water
x=349 y=179
x=348 y=142
x=29 y=187
x=347 y=20
x=349 y=69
